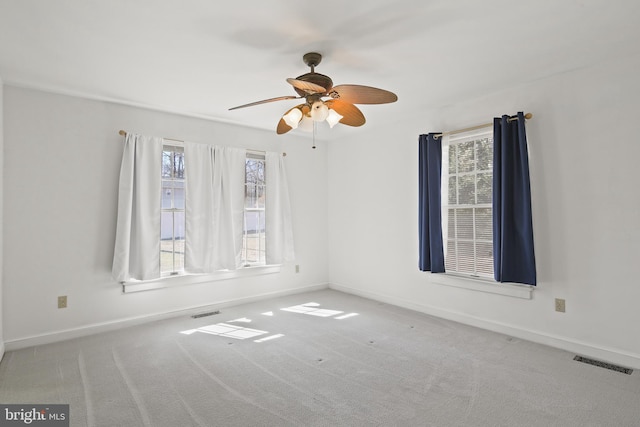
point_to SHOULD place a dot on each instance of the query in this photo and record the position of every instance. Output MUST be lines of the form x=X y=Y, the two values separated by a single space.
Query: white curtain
x=279 y=235
x=214 y=207
x=137 y=246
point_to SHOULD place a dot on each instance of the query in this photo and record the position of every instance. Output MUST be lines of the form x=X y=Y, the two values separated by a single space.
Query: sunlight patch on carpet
x=269 y=338
x=226 y=330
x=346 y=316
x=311 y=309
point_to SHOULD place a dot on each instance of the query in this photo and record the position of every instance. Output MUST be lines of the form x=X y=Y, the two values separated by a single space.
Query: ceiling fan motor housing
x=312 y=59
x=319 y=79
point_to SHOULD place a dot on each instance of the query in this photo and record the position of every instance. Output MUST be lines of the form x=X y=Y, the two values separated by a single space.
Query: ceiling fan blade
x=351 y=115
x=282 y=127
x=357 y=94
x=308 y=87
x=264 y=101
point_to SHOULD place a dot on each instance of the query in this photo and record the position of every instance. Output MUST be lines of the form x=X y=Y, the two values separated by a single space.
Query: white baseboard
x=604 y=354
x=132 y=321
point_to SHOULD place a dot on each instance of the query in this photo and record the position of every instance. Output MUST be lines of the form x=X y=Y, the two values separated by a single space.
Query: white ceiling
x=200 y=57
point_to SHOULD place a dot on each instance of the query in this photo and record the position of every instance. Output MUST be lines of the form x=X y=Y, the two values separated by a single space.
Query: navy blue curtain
x=429 y=212
x=513 y=254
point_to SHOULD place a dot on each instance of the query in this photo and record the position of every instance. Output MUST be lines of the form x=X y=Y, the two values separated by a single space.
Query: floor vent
x=210 y=313
x=605 y=365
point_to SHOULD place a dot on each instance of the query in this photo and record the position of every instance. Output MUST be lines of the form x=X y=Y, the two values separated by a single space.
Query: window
x=253 y=235
x=467 y=204
x=172 y=220
x=215 y=197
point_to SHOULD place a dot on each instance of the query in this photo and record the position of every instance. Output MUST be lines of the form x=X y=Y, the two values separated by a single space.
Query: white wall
x=62 y=157
x=1 y=215
x=584 y=153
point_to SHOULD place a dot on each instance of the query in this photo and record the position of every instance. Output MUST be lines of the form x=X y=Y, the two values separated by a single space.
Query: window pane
x=450 y=259
x=260 y=196
x=467 y=190
x=485 y=187
x=172 y=162
x=166 y=242
x=453 y=198
x=254 y=171
x=484 y=224
x=178 y=163
x=466 y=263
x=179 y=225
x=254 y=180
x=179 y=236
x=484 y=150
x=166 y=226
x=249 y=195
x=178 y=194
x=166 y=163
x=173 y=195
x=167 y=194
x=464 y=223
x=254 y=196
x=452 y=224
x=452 y=158
x=484 y=259
x=253 y=221
x=172 y=233
x=254 y=244
x=466 y=157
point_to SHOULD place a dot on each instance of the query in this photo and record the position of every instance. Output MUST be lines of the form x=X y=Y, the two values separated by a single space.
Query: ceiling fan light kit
x=334 y=118
x=292 y=118
x=315 y=88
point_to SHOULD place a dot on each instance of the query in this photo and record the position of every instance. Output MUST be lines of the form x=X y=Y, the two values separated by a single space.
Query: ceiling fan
x=315 y=88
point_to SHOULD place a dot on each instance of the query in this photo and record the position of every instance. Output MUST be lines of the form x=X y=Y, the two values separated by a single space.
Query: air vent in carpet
x=605 y=365
x=210 y=313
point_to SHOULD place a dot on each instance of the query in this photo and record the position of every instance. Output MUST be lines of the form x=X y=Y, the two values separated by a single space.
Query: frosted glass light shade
x=319 y=111
x=306 y=124
x=292 y=118
x=333 y=117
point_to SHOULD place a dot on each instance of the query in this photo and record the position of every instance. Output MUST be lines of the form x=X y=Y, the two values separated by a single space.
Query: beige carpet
x=327 y=359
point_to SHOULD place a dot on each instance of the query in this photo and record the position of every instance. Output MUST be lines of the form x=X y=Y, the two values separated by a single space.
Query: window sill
x=483 y=285
x=192 y=279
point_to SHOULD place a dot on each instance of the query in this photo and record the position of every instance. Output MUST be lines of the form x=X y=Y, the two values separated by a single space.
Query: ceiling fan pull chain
x=314 y=135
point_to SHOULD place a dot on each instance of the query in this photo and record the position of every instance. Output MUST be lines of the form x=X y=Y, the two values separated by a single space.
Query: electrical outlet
x=560 y=305
x=297 y=268
x=62 y=301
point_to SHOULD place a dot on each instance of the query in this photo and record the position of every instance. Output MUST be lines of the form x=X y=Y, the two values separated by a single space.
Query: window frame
x=260 y=209
x=173 y=147
x=474 y=240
